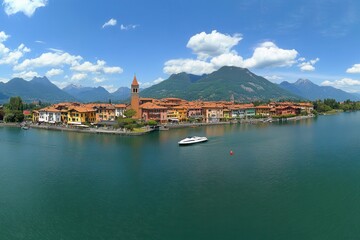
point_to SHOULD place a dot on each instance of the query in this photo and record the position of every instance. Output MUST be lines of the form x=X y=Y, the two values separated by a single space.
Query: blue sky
x=104 y=43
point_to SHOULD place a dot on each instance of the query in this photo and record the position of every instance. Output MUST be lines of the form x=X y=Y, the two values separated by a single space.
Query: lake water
x=296 y=180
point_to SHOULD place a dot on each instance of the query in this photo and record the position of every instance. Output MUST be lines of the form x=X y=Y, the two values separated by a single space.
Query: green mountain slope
x=219 y=85
x=175 y=86
x=36 y=89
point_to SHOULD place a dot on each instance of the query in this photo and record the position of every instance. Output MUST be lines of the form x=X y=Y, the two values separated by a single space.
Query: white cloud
x=26 y=75
x=78 y=76
x=273 y=78
x=111 y=22
x=99 y=79
x=302 y=59
x=49 y=59
x=346 y=84
x=213 y=44
x=354 y=69
x=227 y=59
x=4 y=80
x=270 y=55
x=8 y=56
x=149 y=84
x=3 y=36
x=110 y=88
x=214 y=51
x=96 y=68
x=307 y=66
x=342 y=83
x=128 y=27
x=54 y=72
x=61 y=85
x=89 y=67
x=56 y=50
x=196 y=67
x=40 y=42
x=112 y=70
x=28 y=7
x=158 y=80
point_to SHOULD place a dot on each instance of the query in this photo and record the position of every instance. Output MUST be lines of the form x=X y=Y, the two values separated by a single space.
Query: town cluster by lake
x=143 y=114
x=173 y=112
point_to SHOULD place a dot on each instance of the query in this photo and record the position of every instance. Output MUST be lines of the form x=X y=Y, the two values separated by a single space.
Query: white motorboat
x=192 y=140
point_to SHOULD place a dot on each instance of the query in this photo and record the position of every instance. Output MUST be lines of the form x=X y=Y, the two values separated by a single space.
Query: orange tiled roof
x=172 y=99
x=49 y=109
x=263 y=107
x=82 y=109
x=150 y=105
x=120 y=105
x=305 y=104
x=179 y=107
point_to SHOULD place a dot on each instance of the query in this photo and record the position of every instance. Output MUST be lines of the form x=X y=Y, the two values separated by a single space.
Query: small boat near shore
x=25 y=128
x=192 y=140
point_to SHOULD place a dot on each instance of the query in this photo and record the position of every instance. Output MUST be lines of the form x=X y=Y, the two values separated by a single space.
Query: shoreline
x=162 y=127
x=90 y=130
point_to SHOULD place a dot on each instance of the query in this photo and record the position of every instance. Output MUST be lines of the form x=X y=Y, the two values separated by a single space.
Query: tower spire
x=134 y=82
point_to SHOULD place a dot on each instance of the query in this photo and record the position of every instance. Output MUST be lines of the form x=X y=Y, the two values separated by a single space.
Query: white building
x=119 y=110
x=49 y=115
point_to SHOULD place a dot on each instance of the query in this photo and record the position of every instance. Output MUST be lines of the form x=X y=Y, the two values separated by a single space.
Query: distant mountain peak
x=40 y=80
x=309 y=90
x=71 y=85
x=302 y=81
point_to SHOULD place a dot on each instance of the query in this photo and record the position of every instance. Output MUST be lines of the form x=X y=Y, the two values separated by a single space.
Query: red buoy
x=231 y=152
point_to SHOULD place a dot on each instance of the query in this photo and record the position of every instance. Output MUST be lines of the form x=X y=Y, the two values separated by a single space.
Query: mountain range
x=308 y=90
x=223 y=84
x=96 y=94
x=40 y=88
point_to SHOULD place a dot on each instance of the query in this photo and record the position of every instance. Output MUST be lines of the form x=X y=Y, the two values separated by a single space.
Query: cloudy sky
x=93 y=43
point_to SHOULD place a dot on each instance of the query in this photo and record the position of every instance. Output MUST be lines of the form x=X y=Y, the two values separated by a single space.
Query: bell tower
x=135 y=99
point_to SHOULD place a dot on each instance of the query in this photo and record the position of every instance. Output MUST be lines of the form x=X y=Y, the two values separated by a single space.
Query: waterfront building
x=35 y=116
x=194 y=111
x=177 y=113
x=250 y=111
x=287 y=110
x=81 y=115
x=151 y=111
x=104 y=111
x=263 y=110
x=213 y=112
x=119 y=110
x=306 y=107
x=227 y=113
x=49 y=115
x=240 y=111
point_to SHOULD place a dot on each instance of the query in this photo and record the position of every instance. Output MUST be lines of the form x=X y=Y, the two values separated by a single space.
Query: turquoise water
x=296 y=180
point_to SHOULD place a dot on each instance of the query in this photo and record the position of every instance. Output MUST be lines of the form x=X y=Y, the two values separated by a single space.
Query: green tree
x=9 y=117
x=2 y=114
x=129 y=113
x=331 y=103
x=127 y=123
x=15 y=104
x=151 y=123
x=19 y=116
